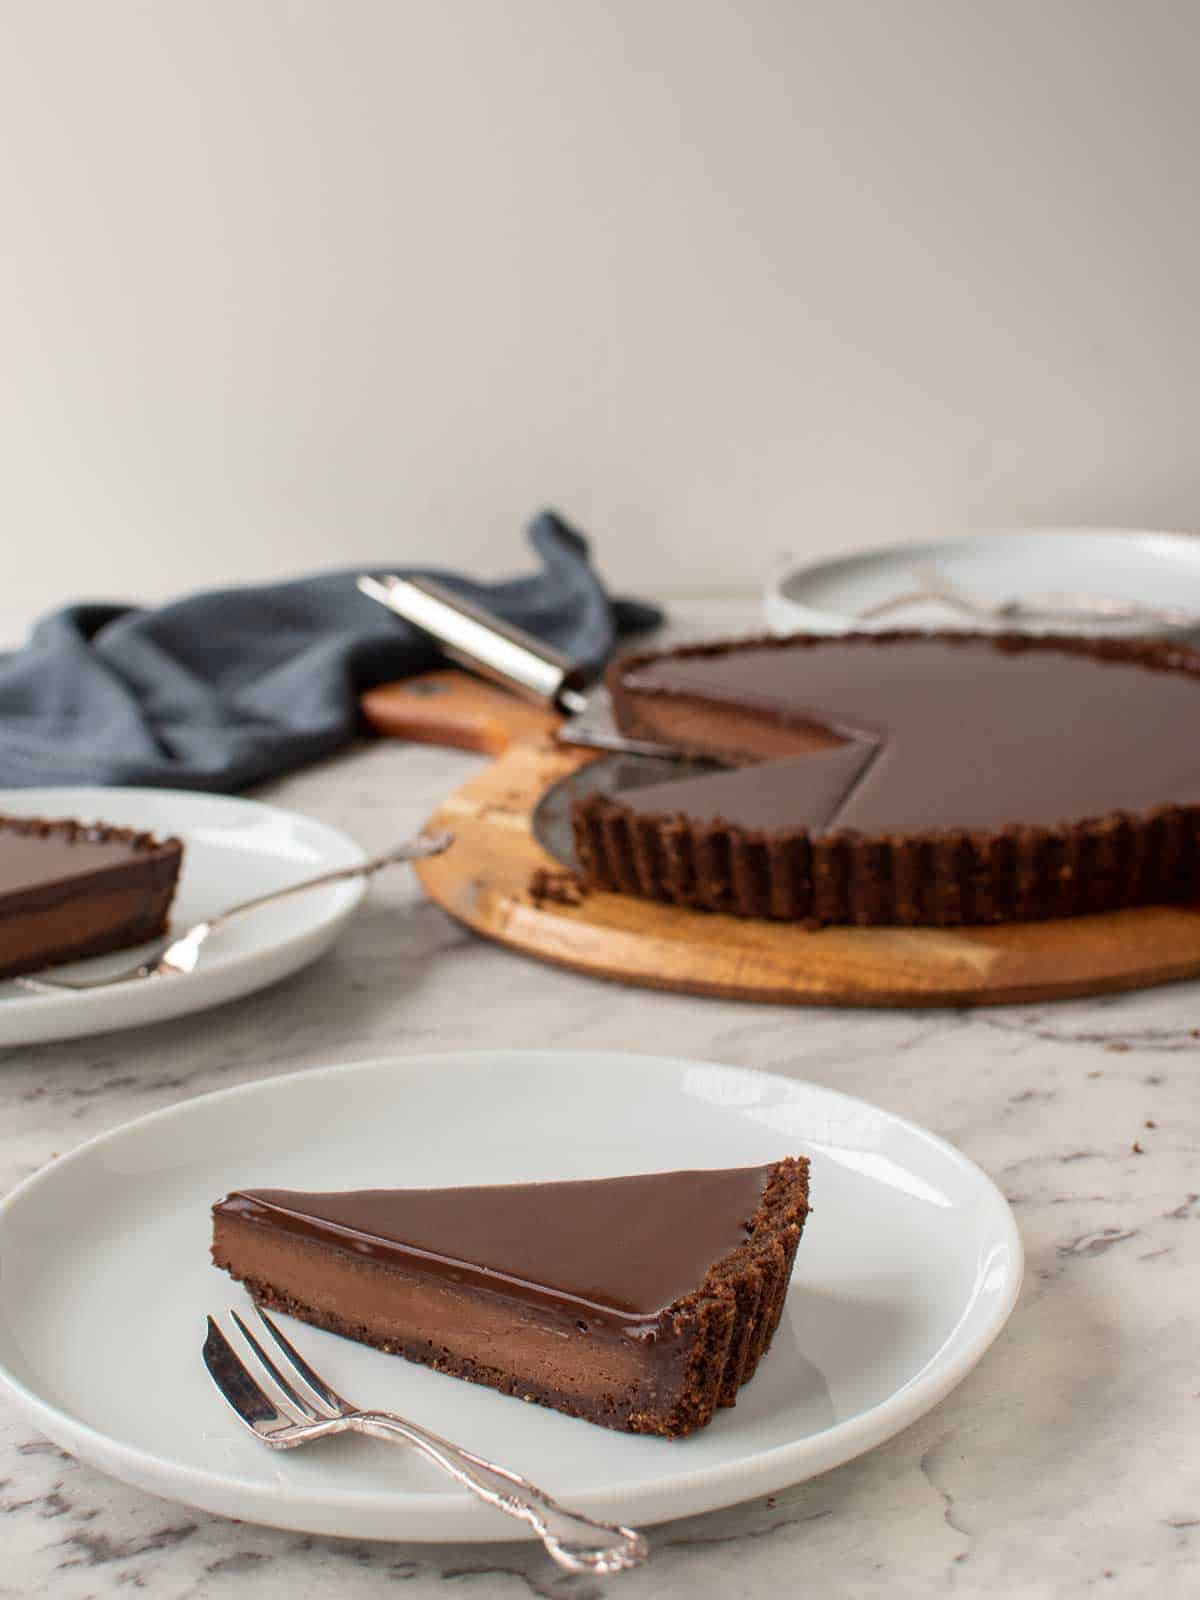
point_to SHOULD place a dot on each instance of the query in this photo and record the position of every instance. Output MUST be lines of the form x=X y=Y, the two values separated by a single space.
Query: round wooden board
x=485 y=882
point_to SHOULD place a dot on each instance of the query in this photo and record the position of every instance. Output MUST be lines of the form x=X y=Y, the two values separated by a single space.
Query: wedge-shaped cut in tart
x=641 y=1303
x=70 y=889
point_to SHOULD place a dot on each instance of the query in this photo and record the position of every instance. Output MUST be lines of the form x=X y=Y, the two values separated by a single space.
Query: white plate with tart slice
x=102 y=870
x=906 y=1270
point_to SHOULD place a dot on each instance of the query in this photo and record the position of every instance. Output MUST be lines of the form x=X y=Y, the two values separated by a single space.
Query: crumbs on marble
x=560 y=888
x=1136 y=1149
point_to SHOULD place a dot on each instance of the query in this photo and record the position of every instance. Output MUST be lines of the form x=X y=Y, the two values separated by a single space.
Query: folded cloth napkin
x=225 y=689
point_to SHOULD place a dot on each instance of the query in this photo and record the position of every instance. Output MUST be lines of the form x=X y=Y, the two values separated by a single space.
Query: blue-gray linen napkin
x=225 y=689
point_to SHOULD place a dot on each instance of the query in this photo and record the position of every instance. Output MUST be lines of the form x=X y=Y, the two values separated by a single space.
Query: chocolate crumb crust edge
x=74 y=831
x=750 y=1286
x=942 y=878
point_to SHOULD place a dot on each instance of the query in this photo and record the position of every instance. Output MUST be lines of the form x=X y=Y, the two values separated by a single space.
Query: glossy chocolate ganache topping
x=622 y=1249
x=938 y=732
x=36 y=854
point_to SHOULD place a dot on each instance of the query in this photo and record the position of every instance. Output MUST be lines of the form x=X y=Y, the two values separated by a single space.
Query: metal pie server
x=509 y=656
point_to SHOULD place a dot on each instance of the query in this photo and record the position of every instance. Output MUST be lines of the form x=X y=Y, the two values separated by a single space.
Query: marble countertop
x=1066 y=1464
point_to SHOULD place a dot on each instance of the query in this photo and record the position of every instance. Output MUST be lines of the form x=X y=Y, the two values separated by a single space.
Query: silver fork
x=181 y=955
x=1059 y=606
x=305 y=1408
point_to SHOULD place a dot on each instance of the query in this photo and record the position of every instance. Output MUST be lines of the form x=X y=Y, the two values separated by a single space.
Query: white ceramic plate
x=1153 y=569
x=907 y=1271
x=233 y=850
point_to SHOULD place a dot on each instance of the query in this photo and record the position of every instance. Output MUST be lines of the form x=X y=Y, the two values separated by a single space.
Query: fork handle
x=577 y=1543
x=416 y=849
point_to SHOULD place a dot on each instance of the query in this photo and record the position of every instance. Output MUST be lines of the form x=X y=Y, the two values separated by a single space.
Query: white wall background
x=285 y=283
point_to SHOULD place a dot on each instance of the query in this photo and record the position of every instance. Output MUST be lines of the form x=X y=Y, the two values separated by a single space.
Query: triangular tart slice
x=641 y=1303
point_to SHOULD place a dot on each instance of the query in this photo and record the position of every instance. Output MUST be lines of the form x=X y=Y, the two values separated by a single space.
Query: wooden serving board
x=489 y=880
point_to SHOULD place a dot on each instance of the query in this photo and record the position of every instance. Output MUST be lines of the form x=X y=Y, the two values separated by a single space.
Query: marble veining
x=1066 y=1464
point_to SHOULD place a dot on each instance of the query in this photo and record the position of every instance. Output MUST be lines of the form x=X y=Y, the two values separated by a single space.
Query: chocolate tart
x=640 y=1303
x=908 y=778
x=69 y=890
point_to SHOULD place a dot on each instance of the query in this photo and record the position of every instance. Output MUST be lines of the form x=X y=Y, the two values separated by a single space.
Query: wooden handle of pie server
x=455 y=710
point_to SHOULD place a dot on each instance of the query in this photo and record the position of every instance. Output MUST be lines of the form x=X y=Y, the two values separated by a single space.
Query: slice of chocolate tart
x=69 y=890
x=640 y=1303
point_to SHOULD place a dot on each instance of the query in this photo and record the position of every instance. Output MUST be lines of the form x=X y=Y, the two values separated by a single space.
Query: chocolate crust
x=756 y=1278
x=700 y=1349
x=940 y=878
